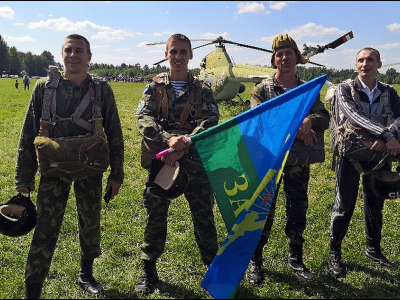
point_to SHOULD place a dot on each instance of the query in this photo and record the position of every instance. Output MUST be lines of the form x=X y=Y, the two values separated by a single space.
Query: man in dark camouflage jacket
x=285 y=57
x=53 y=193
x=169 y=122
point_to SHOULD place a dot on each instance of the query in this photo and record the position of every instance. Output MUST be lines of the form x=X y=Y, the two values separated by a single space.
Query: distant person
x=16 y=84
x=169 y=122
x=27 y=82
x=100 y=141
x=370 y=110
x=295 y=178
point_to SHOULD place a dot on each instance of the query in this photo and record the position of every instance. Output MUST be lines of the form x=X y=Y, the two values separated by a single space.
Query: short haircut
x=179 y=37
x=79 y=37
x=378 y=55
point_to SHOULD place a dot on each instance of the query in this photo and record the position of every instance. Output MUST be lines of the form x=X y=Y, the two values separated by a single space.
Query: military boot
x=335 y=260
x=86 y=280
x=255 y=276
x=33 y=290
x=373 y=252
x=148 y=279
x=296 y=262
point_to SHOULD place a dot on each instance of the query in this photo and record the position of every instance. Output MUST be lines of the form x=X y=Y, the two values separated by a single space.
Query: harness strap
x=269 y=87
x=49 y=106
x=192 y=107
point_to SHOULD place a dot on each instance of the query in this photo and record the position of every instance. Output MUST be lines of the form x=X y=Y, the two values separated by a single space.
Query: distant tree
x=3 y=55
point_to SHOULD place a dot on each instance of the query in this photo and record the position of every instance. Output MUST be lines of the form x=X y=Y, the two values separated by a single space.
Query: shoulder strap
x=53 y=78
x=193 y=104
x=49 y=105
x=269 y=87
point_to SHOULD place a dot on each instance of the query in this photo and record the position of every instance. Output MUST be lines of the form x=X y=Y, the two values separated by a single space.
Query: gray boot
x=335 y=259
x=86 y=280
x=295 y=262
x=148 y=279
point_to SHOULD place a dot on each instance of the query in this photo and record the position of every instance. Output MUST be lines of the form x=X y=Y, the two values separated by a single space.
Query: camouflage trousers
x=201 y=201
x=295 y=186
x=51 y=202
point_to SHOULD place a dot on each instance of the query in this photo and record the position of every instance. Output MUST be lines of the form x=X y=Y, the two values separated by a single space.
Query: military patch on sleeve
x=213 y=108
x=140 y=107
x=146 y=88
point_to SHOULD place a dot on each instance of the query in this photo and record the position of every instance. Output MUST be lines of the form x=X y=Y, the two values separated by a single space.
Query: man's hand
x=171 y=158
x=304 y=130
x=179 y=143
x=115 y=188
x=26 y=189
x=393 y=147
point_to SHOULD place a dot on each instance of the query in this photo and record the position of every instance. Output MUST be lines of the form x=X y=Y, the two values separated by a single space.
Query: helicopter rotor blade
x=340 y=41
x=313 y=63
x=311 y=51
x=398 y=63
x=161 y=61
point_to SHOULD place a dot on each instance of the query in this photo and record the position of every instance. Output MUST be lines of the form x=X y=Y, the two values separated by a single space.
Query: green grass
x=180 y=267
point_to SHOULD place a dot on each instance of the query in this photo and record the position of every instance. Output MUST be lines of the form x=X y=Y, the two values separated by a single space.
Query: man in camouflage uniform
x=187 y=107
x=285 y=57
x=53 y=193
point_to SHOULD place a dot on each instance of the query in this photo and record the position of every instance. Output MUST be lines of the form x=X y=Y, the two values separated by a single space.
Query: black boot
x=296 y=262
x=373 y=252
x=148 y=279
x=33 y=290
x=335 y=259
x=255 y=276
x=86 y=280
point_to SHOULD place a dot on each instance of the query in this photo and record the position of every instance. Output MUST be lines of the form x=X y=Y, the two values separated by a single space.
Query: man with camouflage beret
x=285 y=57
x=174 y=107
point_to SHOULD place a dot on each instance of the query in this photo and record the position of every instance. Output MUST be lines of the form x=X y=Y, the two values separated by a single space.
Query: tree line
x=14 y=62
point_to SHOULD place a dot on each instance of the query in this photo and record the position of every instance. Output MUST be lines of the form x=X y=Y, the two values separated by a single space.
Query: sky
x=119 y=30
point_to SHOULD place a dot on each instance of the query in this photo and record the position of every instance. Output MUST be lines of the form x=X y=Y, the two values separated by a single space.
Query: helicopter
x=226 y=77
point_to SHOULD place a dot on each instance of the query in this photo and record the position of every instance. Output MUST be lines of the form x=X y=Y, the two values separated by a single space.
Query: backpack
x=354 y=142
x=71 y=157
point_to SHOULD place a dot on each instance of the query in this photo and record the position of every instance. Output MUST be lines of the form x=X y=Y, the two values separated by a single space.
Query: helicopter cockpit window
x=203 y=63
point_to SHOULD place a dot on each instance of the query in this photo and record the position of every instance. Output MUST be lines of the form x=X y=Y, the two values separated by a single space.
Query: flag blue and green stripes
x=243 y=158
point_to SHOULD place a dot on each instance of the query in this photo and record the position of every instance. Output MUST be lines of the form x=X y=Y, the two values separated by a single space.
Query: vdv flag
x=244 y=158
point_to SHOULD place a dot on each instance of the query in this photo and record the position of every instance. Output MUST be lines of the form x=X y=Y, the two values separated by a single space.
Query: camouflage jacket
x=156 y=132
x=318 y=114
x=69 y=96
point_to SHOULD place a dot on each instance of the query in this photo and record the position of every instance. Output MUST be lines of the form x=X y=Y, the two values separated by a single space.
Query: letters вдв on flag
x=243 y=158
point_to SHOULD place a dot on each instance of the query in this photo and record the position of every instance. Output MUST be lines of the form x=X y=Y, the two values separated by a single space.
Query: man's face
x=367 y=63
x=285 y=59
x=178 y=54
x=76 y=56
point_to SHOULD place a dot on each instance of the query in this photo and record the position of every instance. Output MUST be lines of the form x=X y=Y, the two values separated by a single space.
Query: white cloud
x=394 y=27
x=105 y=33
x=18 y=24
x=277 y=5
x=389 y=46
x=26 y=38
x=213 y=36
x=7 y=12
x=111 y=35
x=253 y=7
x=308 y=30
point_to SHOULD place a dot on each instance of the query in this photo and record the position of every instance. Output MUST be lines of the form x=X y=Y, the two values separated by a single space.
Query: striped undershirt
x=178 y=85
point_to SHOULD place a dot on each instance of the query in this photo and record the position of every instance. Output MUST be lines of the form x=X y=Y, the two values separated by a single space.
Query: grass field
x=180 y=267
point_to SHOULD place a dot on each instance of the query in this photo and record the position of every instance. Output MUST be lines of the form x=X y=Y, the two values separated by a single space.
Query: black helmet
x=169 y=182
x=17 y=216
x=386 y=184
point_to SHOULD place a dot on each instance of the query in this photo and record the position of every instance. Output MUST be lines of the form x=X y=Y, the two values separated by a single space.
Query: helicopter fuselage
x=226 y=77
